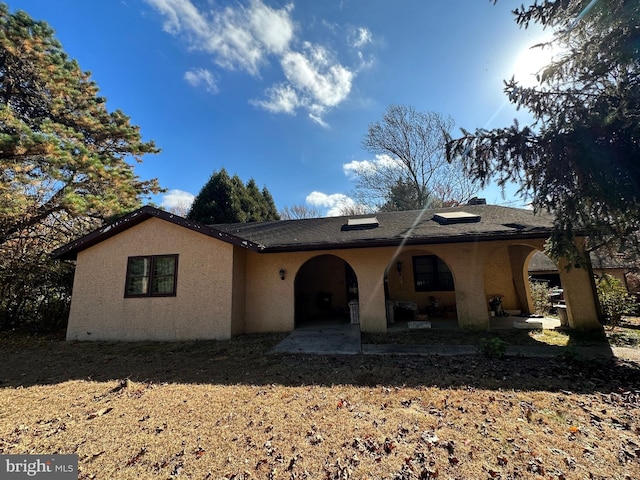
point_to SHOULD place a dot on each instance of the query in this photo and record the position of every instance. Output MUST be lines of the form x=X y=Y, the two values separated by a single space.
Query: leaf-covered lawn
x=228 y=410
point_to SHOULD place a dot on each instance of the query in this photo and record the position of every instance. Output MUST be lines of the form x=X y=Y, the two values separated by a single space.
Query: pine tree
x=580 y=159
x=60 y=149
x=225 y=199
x=63 y=167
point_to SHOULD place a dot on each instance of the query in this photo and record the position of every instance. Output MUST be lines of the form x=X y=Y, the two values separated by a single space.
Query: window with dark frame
x=151 y=276
x=431 y=274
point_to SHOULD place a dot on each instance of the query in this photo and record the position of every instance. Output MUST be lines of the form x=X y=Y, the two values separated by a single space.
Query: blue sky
x=283 y=91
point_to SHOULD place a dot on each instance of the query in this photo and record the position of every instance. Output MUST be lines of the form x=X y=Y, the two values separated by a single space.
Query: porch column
x=471 y=302
x=373 y=315
x=579 y=296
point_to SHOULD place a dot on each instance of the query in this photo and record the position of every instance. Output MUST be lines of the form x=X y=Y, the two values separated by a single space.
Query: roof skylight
x=449 y=218
x=362 y=223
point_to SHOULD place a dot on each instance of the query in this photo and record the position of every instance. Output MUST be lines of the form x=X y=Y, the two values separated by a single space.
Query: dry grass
x=627 y=333
x=228 y=410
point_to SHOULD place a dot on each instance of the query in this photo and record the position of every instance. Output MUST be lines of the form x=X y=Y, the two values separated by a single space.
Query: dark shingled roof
x=70 y=250
x=394 y=228
x=409 y=227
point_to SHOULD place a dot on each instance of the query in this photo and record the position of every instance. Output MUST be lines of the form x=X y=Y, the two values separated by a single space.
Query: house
x=543 y=268
x=152 y=275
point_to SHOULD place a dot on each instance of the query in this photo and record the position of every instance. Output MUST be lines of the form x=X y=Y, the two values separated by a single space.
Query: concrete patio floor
x=327 y=339
x=345 y=339
x=495 y=323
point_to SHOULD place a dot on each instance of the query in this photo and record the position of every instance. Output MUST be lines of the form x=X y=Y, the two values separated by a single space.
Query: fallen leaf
x=136 y=458
x=99 y=413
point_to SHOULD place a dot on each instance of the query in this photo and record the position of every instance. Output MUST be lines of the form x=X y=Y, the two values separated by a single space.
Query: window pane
x=137 y=285
x=445 y=278
x=164 y=266
x=162 y=285
x=152 y=275
x=138 y=277
x=442 y=267
x=431 y=274
x=139 y=266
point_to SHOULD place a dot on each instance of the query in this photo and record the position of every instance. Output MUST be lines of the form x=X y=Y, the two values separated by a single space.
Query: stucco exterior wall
x=520 y=256
x=202 y=308
x=498 y=277
x=578 y=286
x=401 y=285
x=225 y=290
x=479 y=269
x=239 y=290
x=506 y=274
x=269 y=301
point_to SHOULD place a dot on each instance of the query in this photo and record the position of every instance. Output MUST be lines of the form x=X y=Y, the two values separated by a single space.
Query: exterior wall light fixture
x=282 y=273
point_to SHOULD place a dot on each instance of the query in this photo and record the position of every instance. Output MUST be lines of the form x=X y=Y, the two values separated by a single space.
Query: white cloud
x=335 y=203
x=274 y=28
x=282 y=98
x=325 y=82
x=316 y=82
x=177 y=201
x=247 y=37
x=360 y=37
x=381 y=162
x=181 y=15
x=201 y=76
x=318 y=119
x=239 y=38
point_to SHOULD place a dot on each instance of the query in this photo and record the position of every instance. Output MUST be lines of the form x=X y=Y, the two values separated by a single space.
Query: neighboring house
x=152 y=275
x=543 y=268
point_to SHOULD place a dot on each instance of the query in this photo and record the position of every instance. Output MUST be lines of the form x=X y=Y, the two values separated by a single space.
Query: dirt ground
x=229 y=410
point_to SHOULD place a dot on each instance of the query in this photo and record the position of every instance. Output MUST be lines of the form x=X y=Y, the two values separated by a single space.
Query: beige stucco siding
x=578 y=286
x=238 y=291
x=201 y=309
x=269 y=301
x=479 y=269
x=225 y=290
x=402 y=283
x=506 y=274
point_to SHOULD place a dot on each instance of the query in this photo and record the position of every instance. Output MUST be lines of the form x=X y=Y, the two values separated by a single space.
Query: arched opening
x=545 y=287
x=325 y=288
x=515 y=293
x=420 y=292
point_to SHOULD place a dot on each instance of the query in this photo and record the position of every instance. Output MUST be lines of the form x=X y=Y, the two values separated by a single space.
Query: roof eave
x=70 y=250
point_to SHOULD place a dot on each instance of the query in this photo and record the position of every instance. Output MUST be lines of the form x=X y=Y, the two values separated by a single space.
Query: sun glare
x=530 y=61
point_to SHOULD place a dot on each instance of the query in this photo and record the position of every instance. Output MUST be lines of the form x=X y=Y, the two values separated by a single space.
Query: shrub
x=614 y=299
x=540 y=296
x=494 y=347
